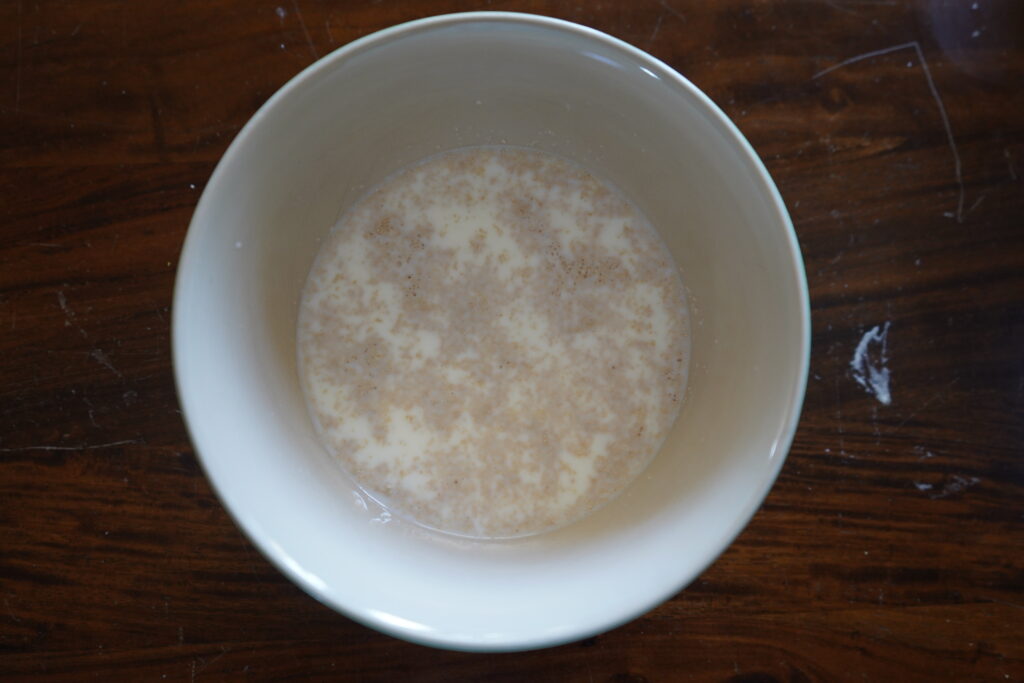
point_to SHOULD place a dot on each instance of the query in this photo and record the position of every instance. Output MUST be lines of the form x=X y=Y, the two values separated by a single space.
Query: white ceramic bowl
x=393 y=98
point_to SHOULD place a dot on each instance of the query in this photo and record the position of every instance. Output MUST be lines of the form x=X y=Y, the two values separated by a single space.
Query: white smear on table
x=956 y=484
x=921 y=486
x=869 y=363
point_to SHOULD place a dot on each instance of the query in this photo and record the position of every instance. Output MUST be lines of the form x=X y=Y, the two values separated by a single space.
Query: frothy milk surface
x=493 y=342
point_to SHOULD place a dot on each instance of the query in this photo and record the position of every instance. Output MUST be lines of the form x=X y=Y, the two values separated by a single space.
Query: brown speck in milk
x=494 y=341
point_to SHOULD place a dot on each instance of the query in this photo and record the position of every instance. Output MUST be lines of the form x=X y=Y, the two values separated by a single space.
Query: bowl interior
x=394 y=98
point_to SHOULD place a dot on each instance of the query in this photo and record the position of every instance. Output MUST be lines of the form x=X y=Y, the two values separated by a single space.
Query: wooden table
x=892 y=546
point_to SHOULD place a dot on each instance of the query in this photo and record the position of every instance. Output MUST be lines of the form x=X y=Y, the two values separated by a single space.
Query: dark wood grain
x=892 y=546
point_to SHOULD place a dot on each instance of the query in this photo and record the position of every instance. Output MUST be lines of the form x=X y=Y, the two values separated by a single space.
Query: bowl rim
x=783 y=438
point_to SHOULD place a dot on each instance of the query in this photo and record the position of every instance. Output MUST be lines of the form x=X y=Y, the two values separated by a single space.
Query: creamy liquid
x=493 y=342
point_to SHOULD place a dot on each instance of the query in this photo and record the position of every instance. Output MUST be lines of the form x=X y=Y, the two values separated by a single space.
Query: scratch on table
x=69 y=314
x=975 y=205
x=96 y=354
x=839 y=420
x=672 y=10
x=915 y=413
x=839 y=6
x=657 y=27
x=327 y=27
x=100 y=357
x=223 y=651
x=92 y=412
x=957 y=167
x=83 y=447
x=157 y=118
x=63 y=301
x=305 y=31
x=1008 y=604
